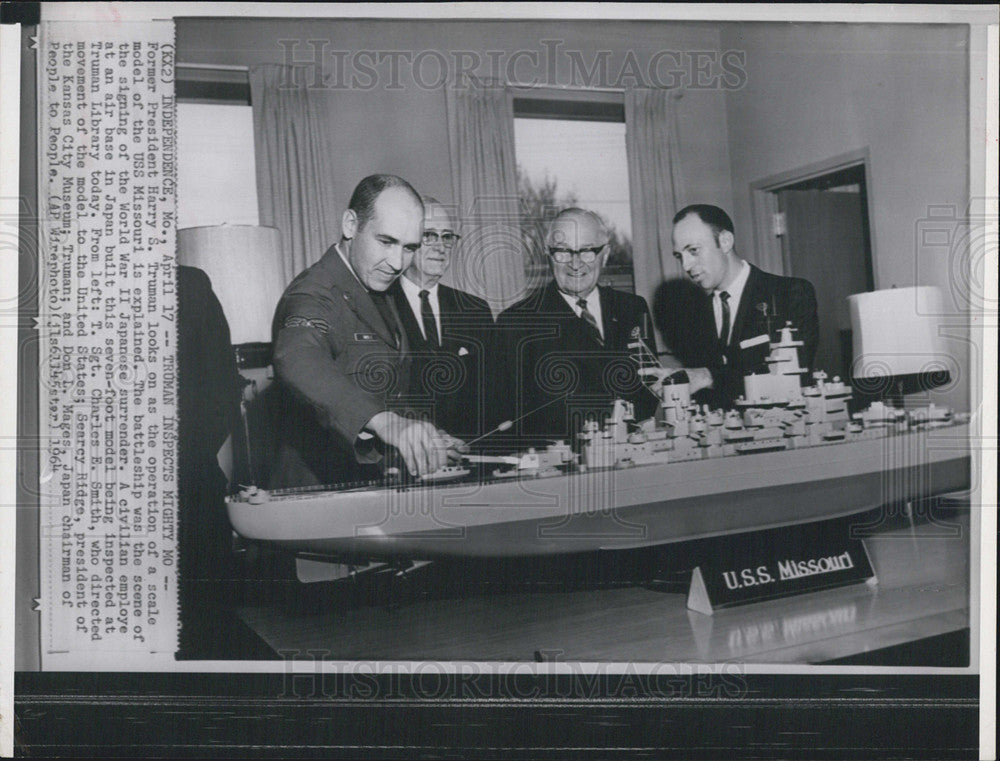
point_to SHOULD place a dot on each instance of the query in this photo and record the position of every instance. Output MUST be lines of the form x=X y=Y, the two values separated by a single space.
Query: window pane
x=216 y=181
x=575 y=163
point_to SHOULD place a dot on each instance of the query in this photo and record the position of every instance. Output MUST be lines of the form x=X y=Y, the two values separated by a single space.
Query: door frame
x=764 y=204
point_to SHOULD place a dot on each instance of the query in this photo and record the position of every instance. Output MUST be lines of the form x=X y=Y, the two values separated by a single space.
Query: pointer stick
x=506 y=425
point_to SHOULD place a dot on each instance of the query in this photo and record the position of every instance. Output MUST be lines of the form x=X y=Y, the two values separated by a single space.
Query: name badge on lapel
x=365 y=337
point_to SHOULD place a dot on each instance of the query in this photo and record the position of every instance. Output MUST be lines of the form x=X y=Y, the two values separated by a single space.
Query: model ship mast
x=775 y=412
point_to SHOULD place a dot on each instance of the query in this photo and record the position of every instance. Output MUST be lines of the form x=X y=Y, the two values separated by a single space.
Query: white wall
x=816 y=91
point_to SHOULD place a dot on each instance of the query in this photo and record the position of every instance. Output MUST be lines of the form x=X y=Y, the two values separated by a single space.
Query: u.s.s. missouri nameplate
x=765 y=565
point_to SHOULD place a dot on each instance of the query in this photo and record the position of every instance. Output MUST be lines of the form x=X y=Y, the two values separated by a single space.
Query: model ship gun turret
x=775 y=412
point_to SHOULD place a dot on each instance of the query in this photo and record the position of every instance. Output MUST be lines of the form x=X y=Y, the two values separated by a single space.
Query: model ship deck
x=786 y=455
x=612 y=508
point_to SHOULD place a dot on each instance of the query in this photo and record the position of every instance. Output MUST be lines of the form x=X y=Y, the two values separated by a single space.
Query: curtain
x=293 y=146
x=491 y=260
x=655 y=186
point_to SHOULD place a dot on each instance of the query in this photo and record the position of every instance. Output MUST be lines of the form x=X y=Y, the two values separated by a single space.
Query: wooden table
x=922 y=591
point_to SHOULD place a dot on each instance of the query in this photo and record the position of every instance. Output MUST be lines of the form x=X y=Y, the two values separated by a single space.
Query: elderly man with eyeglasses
x=567 y=344
x=448 y=330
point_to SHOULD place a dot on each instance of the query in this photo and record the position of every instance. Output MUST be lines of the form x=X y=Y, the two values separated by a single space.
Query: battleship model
x=786 y=454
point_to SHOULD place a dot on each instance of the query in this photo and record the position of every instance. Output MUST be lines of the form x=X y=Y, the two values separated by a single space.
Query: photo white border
x=10 y=127
x=985 y=176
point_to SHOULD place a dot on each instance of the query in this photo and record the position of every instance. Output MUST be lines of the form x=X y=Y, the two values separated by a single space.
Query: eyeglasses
x=587 y=255
x=447 y=239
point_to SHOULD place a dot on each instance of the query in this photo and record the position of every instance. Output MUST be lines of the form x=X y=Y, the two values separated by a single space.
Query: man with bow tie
x=567 y=343
x=449 y=332
x=341 y=356
x=717 y=322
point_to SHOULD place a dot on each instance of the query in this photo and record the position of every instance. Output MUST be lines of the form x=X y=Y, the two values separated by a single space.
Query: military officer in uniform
x=341 y=357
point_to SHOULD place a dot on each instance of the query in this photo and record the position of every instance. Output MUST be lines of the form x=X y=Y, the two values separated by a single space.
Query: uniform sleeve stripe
x=295 y=321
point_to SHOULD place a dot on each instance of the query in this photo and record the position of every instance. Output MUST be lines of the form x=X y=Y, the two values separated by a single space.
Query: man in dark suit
x=208 y=393
x=710 y=322
x=448 y=330
x=341 y=356
x=567 y=344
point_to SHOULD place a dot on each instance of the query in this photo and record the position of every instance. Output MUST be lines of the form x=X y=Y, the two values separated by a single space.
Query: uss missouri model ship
x=787 y=454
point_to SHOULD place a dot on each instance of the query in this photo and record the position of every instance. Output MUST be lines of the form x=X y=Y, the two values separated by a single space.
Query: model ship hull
x=614 y=508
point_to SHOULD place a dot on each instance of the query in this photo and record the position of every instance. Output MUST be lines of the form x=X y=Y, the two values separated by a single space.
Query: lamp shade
x=896 y=332
x=244 y=264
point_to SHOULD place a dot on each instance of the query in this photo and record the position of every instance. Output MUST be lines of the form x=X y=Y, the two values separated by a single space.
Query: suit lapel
x=463 y=325
x=609 y=318
x=748 y=303
x=554 y=304
x=358 y=300
x=406 y=317
x=447 y=311
x=448 y=305
x=704 y=316
x=403 y=344
x=554 y=307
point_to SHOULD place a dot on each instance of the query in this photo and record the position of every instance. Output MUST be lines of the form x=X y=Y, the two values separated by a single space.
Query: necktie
x=724 y=333
x=382 y=305
x=427 y=316
x=588 y=318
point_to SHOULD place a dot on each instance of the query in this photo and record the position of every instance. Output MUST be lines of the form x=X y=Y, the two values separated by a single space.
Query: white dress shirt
x=593 y=306
x=412 y=293
x=735 y=291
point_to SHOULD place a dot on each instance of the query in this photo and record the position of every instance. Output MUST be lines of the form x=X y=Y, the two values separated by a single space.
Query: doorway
x=818 y=228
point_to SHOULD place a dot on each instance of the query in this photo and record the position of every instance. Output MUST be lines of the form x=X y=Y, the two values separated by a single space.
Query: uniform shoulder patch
x=295 y=321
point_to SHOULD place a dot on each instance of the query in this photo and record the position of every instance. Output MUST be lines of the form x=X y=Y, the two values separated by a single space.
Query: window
x=572 y=153
x=216 y=180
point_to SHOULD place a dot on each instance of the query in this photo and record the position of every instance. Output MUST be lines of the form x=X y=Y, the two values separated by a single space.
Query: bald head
x=570 y=226
x=380 y=241
x=581 y=233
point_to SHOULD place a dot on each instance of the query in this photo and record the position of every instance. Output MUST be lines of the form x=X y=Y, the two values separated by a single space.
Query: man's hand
x=660 y=375
x=423 y=447
x=697 y=377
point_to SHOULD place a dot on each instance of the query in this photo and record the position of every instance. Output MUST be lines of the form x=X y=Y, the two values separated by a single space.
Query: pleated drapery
x=656 y=188
x=294 y=148
x=491 y=260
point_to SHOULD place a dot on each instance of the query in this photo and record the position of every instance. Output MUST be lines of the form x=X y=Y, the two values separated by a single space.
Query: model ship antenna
x=644 y=358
